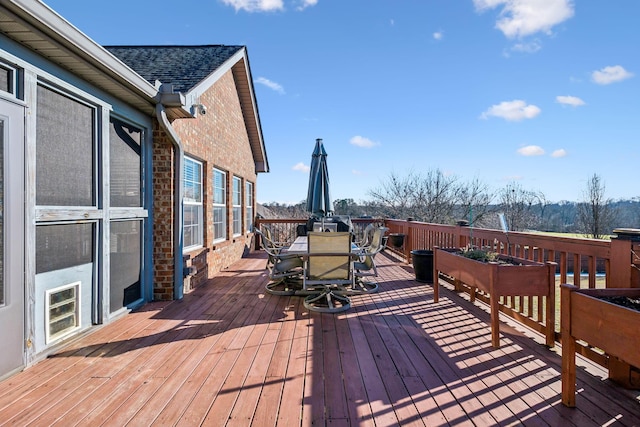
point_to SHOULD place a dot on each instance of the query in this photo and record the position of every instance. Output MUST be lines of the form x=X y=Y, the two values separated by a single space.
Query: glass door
x=12 y=310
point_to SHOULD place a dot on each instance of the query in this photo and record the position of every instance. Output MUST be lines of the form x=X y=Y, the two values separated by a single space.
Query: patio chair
x=285 y=269
x=366 y=266
x=267 y=232
x=367 y=235
x=328 y=271
x=267 y=241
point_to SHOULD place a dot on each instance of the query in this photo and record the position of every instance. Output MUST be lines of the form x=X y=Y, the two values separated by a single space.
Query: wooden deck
x=230 y=354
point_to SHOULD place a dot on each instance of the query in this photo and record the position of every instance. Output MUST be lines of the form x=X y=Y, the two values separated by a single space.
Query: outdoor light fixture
x=198 y=109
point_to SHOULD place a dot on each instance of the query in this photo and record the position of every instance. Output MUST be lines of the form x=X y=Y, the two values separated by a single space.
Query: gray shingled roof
x=184 y=66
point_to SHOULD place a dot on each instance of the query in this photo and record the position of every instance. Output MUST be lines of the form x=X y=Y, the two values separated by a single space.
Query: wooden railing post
x=622 y=257
x=406 y=230
x=568 y=348
x=462 y=234
x=622 y=260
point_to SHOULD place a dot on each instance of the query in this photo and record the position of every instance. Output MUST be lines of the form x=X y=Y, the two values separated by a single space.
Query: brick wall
x=219 y=139
x=163 y=179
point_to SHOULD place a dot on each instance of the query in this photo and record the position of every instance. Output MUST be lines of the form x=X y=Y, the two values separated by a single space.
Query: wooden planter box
x=528 y=279
x=610 y=327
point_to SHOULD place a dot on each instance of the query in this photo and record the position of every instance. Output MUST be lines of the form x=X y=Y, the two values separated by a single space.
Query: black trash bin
x=423 y=265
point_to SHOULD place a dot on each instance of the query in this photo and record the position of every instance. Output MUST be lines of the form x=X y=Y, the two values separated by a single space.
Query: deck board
x=230 y=354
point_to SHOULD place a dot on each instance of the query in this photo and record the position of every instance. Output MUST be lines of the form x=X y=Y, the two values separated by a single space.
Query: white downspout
x=161 y=114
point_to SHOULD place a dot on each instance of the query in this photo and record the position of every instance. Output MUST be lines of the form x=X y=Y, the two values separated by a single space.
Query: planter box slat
x=530 y=281
x=610 y=327
x=606 y=326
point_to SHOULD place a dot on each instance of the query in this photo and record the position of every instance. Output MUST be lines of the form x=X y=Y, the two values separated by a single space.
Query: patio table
x=299 y=246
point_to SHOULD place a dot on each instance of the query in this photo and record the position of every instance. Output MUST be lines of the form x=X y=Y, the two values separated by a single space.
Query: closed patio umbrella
x=318 y=197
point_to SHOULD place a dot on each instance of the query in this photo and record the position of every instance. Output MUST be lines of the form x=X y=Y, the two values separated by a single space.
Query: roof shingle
x=183 y=66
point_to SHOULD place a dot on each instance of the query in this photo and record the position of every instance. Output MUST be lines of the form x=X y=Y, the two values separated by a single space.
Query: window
x=219 y=205
x=193 y=209
x=126 y=232
x=237 y=206
x=65 y=154
x=64 y=246
x=124 y=158
x=248 y=193
x=7 y=79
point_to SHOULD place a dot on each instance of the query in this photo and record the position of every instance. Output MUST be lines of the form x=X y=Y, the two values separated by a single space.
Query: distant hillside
x=265 y=212
x=274 y=211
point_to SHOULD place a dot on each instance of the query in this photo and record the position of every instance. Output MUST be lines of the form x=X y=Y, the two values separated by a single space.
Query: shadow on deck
x=231 y=354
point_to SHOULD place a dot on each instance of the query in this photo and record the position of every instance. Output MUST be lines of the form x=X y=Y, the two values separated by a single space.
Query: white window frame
x=236 y=202
x=13 y=75
x=194 y=203
x=219 y=205
x=248 y=224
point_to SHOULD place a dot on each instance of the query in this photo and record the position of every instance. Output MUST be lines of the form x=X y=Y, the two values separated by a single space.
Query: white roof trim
x=45 y=20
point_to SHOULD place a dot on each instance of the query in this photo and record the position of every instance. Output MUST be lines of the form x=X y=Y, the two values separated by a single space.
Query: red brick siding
x=220 y=140
x=163 y=211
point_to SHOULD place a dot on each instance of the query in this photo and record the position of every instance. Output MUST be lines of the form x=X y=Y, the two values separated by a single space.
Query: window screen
x=63 y=245
x=65 y=171
x=6 y=79
x=125 y=165
x=125 y=263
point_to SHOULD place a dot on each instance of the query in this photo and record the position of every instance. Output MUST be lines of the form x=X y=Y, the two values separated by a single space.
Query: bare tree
x=474 y=202
x=282 y=210
x=431 y=197
x=434 y=197
x=518 y=206
x=395 y=195
x=348 y=207
x=596 y=214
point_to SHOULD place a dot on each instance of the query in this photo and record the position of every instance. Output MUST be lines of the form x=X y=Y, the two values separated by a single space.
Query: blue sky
x=544 y=93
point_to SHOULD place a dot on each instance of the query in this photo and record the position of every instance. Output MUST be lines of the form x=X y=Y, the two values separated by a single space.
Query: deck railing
x=285 y=230
x=583 y=262
x=590 y=255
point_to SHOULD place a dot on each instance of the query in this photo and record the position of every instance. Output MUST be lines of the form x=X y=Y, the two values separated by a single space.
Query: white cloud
x=438 y=35
x=531 y=47
x=255 y=5
x=306 y=3
x=519 y=18
x=559 y=153
x=301 y=167
x=271 y=85
x=611 y=74
x=357 y=172
x=267 y=5
x=513 y=111
x=574 y=101
x=531 y=150
x=361 y=141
